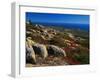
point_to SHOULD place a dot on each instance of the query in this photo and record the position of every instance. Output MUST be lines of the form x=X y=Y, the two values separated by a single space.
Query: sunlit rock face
x=30 y=54
x=55 y=50
x=40 y=49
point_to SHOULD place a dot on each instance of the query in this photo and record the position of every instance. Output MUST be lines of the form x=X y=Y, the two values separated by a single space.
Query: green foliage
x=84 y=43
x=82 y=56
x=58 y=41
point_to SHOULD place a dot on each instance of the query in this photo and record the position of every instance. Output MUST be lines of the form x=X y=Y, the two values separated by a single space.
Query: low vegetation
x=74 y=42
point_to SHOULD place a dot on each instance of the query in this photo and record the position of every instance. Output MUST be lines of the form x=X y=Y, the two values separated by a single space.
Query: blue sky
x=57 y=18
x=64 y=20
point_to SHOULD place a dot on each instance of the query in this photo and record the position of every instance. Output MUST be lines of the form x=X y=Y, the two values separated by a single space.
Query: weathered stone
x=52 y=49
x=40 y=49
x=30 y=54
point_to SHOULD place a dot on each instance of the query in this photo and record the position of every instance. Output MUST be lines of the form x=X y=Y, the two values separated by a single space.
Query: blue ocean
x=72 y=21
x=66 y=25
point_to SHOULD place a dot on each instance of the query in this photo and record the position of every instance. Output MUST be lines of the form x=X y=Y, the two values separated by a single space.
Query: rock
x=80 y=39
x=71 y=35
x=52 y=49
x=34 y=31
x=43 y=37
x=30 y=41
x=40 y=49
x=30 y=54
x=38 y=32
x=28 y=33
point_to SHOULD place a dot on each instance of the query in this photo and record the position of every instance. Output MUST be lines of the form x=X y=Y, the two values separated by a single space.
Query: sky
x=55 y=18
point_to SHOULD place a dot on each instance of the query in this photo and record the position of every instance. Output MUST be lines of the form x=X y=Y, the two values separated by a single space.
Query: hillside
x=74 y=42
